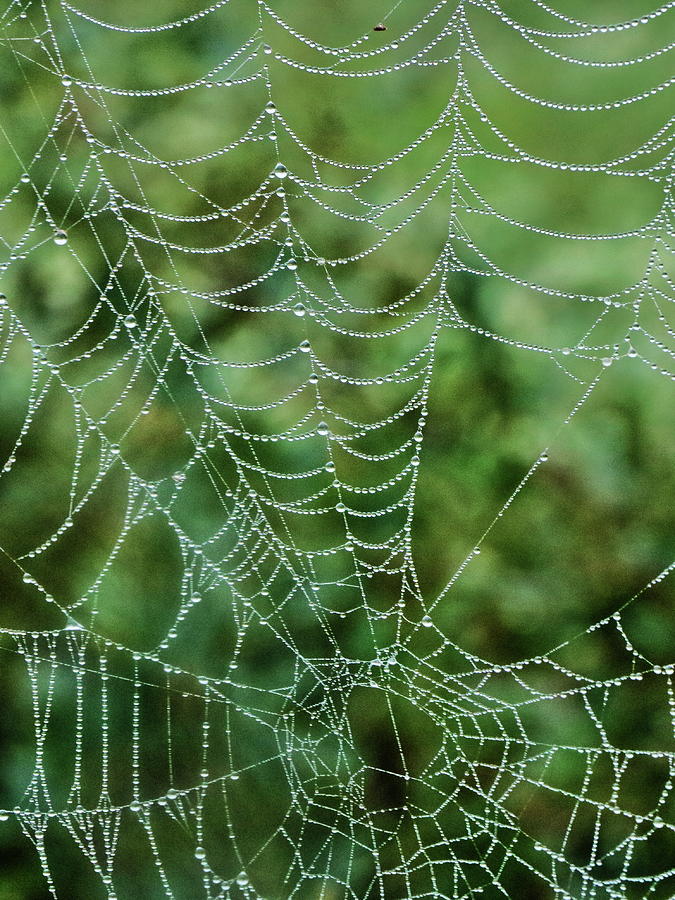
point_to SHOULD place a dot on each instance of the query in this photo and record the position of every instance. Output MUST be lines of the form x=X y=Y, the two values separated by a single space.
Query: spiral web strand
x=229 y=396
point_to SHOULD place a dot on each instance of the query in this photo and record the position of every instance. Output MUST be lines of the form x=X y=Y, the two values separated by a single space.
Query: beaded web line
x=290 y=518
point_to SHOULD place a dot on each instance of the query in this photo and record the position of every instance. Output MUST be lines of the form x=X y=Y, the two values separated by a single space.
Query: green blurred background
x=592 y=527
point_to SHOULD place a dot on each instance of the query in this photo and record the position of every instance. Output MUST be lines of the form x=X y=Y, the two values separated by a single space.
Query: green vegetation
x=415 y=755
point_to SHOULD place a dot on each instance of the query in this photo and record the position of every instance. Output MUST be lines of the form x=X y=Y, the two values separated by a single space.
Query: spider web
x=246 y=250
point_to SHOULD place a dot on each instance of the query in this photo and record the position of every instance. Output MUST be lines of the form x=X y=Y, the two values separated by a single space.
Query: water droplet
x=267 y=50
x=72 y=625
x=66 y=81
x=200 y=853
x=322 y=428
x=280 y=171
x=305 y=346
x=299 y=310
x=270 y=108
x=607 y=361
x=340 y=507
x=292 y=264
x=426 y=622
x=130 y=321
x=242 y=879
x=60 y=237
x=380 y=27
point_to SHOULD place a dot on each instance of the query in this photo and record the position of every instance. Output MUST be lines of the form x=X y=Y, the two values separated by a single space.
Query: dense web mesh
x=335 y=535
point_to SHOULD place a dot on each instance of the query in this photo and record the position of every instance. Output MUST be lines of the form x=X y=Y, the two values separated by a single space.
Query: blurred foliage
x=591 y=529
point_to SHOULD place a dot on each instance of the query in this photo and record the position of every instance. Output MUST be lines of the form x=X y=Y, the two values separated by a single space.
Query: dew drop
x=280 y=171
x=130 y=321
x=60 y=237
x=299 y=310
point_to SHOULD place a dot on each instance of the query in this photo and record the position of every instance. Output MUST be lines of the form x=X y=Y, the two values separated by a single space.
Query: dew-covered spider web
x=336 y=403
